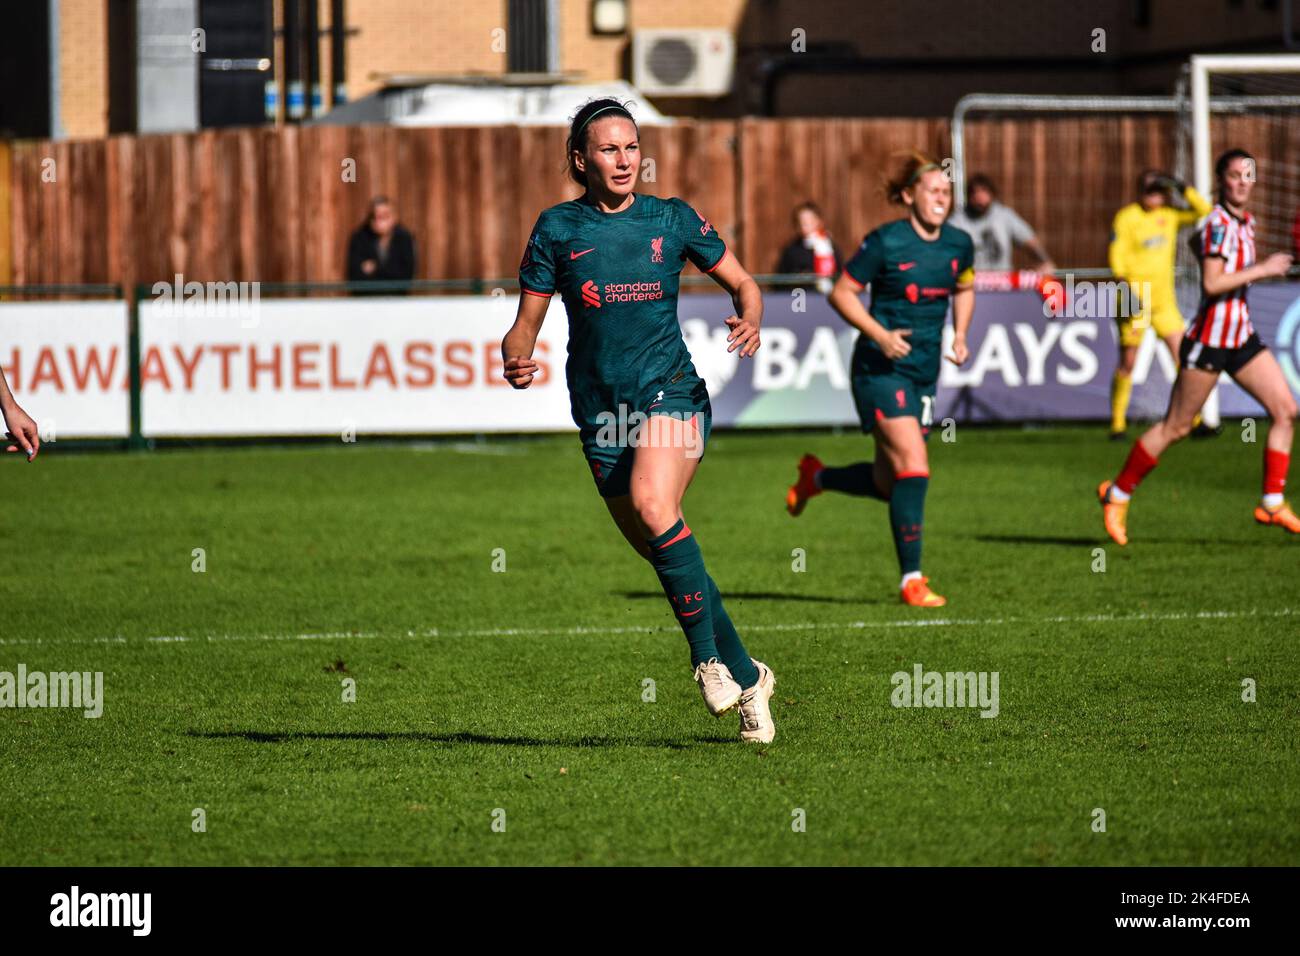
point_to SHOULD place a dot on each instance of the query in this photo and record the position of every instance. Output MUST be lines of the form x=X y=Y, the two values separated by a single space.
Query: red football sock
x=1135 y=468
x=1276 y=464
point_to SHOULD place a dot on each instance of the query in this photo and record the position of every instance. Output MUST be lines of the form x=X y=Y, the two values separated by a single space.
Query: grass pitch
x=516 y=697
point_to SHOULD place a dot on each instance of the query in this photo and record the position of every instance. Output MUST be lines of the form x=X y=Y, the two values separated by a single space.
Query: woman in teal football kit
x=615 y=256
x=915 y=267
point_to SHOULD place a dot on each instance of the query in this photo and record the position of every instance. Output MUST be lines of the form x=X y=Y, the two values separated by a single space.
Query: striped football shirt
x=1223 y=321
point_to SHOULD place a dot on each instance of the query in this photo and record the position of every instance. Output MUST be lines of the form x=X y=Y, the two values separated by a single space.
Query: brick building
x=792 y=57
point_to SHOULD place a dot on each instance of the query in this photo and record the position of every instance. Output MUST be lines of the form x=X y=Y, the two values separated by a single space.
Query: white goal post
x=1201 y=68
x=1033 y=103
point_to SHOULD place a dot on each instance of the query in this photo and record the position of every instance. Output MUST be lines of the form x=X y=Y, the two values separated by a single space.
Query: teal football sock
x=906 y=511
x=677 y=560
x=730 y=649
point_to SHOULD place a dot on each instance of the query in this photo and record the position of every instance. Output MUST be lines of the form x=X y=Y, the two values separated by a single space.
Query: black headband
x=604 y=109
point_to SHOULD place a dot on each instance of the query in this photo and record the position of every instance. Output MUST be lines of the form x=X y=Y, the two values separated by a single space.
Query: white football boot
x=719 y=688
x=756 y=725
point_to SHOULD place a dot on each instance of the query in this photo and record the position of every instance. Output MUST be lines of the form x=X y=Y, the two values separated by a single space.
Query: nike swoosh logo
x=573 y=255
x=904 y=266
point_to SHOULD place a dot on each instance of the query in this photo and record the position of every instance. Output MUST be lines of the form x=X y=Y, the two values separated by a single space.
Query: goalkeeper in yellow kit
x=1142 y=245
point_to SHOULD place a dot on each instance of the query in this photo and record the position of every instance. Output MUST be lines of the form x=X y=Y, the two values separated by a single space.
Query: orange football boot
x=917 y=593
x=1281 y=515
x=806 y=487
x=1114 y=514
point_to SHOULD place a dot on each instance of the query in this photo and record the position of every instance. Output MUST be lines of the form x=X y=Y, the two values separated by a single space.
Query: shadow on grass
x=756 y=596
x=459 y=737
x=1096 y=541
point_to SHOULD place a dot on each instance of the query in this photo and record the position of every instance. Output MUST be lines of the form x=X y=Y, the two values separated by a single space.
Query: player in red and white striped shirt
x=1221 y=339
x=1223 y=321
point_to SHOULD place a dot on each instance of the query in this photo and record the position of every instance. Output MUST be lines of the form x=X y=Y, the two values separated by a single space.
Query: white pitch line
x=649 y=629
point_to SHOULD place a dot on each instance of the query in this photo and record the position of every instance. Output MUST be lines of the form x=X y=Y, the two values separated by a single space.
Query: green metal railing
x=82 y=290
x=477 y=286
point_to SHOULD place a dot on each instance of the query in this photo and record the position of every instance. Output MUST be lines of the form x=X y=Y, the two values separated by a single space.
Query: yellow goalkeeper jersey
x=1142 y=242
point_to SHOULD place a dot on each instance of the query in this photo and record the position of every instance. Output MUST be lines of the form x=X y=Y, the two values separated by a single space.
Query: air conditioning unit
x=683 y=62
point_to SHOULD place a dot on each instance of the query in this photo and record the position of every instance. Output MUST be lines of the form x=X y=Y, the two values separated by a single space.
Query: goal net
x=1067 y=164
x=1251 y=102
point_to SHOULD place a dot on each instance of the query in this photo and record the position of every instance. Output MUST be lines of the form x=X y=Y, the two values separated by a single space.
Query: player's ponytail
x=577 y=141
x=914 y=164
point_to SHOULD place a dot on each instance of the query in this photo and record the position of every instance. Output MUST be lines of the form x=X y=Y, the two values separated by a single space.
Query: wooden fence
x=278 y=204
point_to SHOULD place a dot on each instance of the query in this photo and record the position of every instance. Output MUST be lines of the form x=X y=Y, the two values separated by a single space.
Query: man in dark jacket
x=381 y=249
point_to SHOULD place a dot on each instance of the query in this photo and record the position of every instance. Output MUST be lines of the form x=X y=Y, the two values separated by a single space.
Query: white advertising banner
x=68 y=366
x=377 y=365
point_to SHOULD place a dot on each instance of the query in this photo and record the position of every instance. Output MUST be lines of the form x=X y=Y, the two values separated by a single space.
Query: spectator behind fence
x=381 y=248
x=812 y=250
x=995 y=228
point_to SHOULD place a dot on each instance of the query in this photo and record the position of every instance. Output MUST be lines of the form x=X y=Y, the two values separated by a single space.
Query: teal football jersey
x=618 y=274
x=912 y=282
